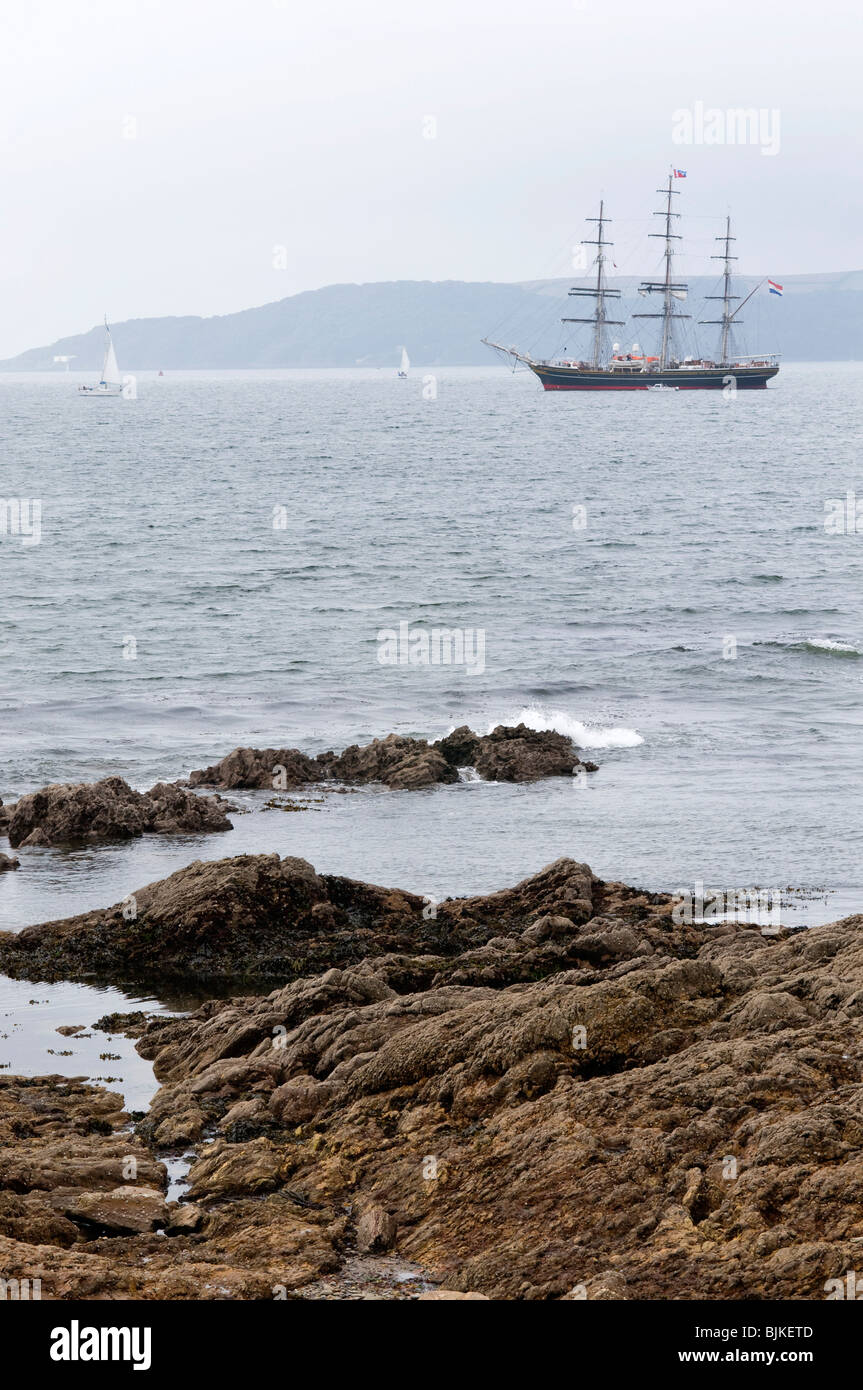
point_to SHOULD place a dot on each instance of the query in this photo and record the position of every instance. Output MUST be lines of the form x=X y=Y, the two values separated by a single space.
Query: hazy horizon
x=164 y=160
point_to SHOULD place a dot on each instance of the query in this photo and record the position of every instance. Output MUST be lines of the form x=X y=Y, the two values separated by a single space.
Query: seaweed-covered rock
x=685 y=1122
x=517 y=754
x=259 y=916
x=67 y=812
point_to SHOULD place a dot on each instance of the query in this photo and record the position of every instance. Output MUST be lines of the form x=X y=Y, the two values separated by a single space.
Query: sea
x=263 y=558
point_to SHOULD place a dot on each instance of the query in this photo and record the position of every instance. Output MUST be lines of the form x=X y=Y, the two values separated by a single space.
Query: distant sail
x=110 y=370
x=406 y=361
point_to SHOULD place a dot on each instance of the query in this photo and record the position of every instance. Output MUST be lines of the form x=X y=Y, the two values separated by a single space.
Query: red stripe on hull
x=745 y=379
x=693 y=386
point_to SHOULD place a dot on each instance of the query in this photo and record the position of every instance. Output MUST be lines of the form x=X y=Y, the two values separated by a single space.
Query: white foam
x=824 y=644
x=582 y=735
x=468 y=774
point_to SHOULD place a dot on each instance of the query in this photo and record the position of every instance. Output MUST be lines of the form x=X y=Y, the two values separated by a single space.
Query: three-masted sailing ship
x=610 y=369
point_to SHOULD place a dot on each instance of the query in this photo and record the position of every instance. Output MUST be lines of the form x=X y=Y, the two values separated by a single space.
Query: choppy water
x=705 y=522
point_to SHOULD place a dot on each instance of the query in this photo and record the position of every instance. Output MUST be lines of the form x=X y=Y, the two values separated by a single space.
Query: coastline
x=571 y=1096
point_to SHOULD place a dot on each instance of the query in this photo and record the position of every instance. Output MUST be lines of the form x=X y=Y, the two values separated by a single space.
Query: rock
x=607 y=1287
x=299 y=1100
x=184 y=1218
x=376 y=1230
x=449 y=1295
x=8 y=862
x=177 y=811
x=266 y=917
x=69 y=1030
x=65 y=1147
x=402 y=764
x=521 y=754
x=130 y=1025
x=461 y=747
x=179 y=1130
x=621 y=1125
x=549 y=927
x=273 y=768
x=125 y=1211
x=537 y=1123
x=110 y=809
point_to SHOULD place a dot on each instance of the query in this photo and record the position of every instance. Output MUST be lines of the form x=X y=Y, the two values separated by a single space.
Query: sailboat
x=618 y=370
x=110 y=382
x=405 y=364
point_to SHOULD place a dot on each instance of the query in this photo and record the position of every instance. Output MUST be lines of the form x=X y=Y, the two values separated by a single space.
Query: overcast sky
x=156 y=152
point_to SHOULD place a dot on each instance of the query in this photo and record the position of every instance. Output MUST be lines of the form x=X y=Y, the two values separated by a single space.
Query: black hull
x=685 y=379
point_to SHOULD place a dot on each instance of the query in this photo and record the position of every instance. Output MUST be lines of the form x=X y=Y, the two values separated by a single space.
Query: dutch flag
x=774 y=288
x=679 y=173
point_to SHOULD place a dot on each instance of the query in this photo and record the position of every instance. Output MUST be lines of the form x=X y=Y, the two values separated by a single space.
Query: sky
x=199 y=157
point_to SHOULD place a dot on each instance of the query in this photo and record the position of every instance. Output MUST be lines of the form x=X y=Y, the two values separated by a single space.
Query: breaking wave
x=582 y=735
x=825 y=644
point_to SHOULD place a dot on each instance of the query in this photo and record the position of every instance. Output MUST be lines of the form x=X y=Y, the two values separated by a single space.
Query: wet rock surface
x=259 y=916
x=586 y=1101
x=678 y=1115
x=83 y=1210
x=507 y=754
x=67 y=812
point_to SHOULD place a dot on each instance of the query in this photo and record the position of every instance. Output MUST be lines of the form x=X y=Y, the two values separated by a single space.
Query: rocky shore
x=552 y=1092
x=508 y=754
x=89 y=812
x=259 y=918
x=66 y=812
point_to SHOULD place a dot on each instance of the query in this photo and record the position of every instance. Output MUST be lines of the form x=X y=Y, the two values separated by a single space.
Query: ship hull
x=684 y=379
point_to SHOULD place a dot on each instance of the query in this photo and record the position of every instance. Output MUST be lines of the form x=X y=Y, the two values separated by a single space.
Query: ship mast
x=727 y=297
x=600 y=292
x=669 y=288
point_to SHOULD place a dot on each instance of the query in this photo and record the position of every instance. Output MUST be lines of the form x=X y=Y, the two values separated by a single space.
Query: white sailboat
x=110 y=382
x=405 y=363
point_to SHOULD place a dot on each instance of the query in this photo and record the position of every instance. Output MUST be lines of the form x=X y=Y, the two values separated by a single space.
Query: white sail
x=406 y=361
x=679 y=294
x=110 y=370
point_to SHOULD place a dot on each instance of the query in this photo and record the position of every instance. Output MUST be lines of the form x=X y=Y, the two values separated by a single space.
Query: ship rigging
x=638 y=370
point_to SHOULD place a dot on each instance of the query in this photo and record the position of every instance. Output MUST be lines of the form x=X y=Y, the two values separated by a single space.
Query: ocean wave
x=826 y=644
x=582 y=735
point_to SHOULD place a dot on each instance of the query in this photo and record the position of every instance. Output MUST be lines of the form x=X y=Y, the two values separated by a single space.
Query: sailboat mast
x=600 y=292
x=600 y=288
x=726 y=292
x=666 y=302
x=669 y=288
x=727 y=297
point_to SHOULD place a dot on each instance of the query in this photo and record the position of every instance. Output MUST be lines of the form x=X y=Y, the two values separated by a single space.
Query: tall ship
x=608 y=368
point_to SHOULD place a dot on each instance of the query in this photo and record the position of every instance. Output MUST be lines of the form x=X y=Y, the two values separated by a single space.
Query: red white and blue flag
x=774 y=288
x=679 y=173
